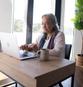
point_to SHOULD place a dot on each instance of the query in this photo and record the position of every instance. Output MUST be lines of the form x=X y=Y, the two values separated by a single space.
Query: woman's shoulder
x=60 y=35
x=61 y=32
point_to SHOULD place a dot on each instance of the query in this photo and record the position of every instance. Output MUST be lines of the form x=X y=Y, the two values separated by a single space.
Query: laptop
x=10 y=47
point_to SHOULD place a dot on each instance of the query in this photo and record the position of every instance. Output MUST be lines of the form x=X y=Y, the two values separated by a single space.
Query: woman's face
x=47 y=25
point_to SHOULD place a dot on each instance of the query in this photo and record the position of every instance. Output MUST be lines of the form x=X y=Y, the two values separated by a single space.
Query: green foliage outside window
x=18 y=26
x=36 y=27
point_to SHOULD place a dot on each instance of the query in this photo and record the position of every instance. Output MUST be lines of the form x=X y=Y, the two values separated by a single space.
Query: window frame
x=30 y=17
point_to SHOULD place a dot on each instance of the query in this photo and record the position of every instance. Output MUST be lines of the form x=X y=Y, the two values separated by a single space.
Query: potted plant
x=78 y=23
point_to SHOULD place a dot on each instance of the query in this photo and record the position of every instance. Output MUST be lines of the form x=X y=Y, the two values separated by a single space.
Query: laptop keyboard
x=26 y=54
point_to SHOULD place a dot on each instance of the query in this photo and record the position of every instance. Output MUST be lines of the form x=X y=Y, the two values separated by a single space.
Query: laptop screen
x=10 y=47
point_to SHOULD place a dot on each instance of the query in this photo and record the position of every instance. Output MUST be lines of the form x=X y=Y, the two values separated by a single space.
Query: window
x=19 y=17
x=41 y=7
x=68 y=23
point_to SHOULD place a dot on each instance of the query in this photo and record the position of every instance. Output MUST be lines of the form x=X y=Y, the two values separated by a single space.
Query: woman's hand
x=32 y=47
x=29 y=47
x=24 y=47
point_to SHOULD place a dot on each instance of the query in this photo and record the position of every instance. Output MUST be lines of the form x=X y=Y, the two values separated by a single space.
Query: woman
x=51 y=39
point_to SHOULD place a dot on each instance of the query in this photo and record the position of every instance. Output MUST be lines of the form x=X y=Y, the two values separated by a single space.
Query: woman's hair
x=53 y=20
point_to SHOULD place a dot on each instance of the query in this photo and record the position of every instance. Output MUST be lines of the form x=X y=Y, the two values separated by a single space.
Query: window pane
x=20 y=14
x=68 y=23
x=41 y=7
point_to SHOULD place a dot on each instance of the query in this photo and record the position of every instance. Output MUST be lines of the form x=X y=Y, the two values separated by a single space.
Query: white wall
x=77 y=43
x=62 y=15
x=5 y=15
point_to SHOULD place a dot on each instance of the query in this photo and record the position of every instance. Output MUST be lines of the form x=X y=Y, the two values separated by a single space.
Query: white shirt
x=59 y=45
x=46 y=43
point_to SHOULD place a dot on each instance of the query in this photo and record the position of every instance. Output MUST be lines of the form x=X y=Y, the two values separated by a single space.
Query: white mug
x=43 y=55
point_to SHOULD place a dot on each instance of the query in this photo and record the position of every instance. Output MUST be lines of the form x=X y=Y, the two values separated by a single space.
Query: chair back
x=67 y=50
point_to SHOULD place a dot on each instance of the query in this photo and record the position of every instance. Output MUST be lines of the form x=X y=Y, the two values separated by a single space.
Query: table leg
x=16 y=84
x=72 y=81
x=60 y=84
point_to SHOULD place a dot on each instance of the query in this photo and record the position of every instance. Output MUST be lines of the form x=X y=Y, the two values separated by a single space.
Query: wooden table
x=33 y=73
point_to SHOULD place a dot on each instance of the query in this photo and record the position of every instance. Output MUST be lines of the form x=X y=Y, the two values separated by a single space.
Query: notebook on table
x=10 y=47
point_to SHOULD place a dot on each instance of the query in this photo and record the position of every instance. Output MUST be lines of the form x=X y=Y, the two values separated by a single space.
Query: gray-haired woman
x=51 y=38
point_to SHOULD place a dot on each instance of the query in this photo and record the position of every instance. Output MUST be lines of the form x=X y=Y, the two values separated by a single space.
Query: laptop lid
x=10 y=47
